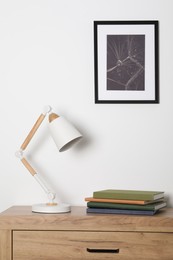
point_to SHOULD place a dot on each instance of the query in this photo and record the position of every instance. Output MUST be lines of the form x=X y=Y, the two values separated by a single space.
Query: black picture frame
x=126 y=61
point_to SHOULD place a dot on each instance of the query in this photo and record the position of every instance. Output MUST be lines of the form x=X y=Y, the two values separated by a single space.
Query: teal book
x=121 y=211
x=128 y=194
x=154 y=206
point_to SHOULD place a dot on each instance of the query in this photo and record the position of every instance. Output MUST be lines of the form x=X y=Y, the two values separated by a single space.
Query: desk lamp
x=64 y=135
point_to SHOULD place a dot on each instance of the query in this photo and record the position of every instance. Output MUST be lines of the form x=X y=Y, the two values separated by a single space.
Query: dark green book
x=154 y=206
x=128 y=194
x=121 y=211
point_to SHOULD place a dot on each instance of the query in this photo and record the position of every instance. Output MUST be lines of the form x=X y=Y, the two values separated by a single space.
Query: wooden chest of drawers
x=26 y=236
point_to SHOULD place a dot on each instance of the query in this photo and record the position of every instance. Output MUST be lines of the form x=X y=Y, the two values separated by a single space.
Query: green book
x=121 y=211
x=154 y=206
x=128 y=194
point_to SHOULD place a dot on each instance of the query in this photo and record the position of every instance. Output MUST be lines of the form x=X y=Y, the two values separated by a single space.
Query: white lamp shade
x=63 y=133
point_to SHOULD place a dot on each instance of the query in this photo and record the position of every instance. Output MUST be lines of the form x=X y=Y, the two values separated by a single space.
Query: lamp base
x=45 y=208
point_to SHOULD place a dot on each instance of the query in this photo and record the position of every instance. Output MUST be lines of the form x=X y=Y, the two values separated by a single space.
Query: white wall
x=46 y=57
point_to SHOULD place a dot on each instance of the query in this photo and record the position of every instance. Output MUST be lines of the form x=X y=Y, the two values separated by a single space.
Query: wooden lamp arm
x=51 y=195
x=28 y=166
x=32 y=132
x=27 y=140
x=40 y=119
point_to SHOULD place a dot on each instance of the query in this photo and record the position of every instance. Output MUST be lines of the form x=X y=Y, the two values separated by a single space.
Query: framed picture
x=126 y=61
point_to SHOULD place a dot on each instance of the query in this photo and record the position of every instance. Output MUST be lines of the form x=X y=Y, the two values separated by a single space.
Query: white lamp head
x=63 y=133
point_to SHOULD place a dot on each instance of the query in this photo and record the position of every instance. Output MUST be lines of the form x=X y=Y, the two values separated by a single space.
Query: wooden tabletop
x=22 y=217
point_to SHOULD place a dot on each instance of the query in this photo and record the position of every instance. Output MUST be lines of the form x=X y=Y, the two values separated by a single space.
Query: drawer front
x=49 y=245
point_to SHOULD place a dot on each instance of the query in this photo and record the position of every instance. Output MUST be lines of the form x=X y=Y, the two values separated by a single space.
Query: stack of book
x=130 y=202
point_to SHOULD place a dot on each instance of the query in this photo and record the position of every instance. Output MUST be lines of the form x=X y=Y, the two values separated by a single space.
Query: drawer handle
x=103 y=250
